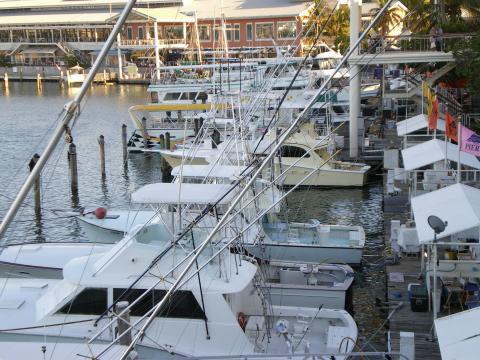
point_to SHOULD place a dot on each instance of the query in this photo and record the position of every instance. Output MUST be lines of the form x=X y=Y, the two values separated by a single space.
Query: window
x=129 y=33
x=188 y=96
x=286 y=29
x=264 y=31
x=293 y=152
x=141 y=33
x=90 y=301
x=174 y=32
x=249 y=32
x=236 y=32
x=228 y=31
x=171 y=96
x=182 y=304
x=204 y=32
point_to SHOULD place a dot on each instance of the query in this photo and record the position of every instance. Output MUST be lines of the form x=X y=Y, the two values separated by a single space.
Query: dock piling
x=39 y=82
x=162 y=141
x=36 y=186
x=144 y=133
x=167 y=141
x=101 y=143
x=124 y=144
x=6 y=80
x=72 y=165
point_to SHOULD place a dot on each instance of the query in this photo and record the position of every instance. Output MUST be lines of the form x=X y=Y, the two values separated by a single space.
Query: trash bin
x=418 y=296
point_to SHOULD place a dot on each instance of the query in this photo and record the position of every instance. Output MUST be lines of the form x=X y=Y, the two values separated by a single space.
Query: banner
x=451 y=129
x=433 y=114
x=470 y=141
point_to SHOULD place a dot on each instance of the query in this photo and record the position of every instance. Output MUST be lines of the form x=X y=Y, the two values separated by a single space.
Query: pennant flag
x=433 y=114
x=470 y=141
x=451 y=128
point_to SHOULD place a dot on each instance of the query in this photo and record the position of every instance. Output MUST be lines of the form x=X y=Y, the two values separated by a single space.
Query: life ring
x=242 y=320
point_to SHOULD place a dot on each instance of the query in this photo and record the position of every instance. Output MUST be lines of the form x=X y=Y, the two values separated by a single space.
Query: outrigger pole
x=71 y=109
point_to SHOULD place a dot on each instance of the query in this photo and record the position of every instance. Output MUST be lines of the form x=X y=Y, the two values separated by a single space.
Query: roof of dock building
x=41 y=5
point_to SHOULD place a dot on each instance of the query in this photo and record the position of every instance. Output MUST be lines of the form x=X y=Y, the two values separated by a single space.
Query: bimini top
x=203 y=171
x=435 y=150
x=458 y=335
x=458 y=204
x=168 y=193
x=416 y=123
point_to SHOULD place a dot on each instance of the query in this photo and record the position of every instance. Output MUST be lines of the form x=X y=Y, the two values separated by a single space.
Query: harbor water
x=27 y=119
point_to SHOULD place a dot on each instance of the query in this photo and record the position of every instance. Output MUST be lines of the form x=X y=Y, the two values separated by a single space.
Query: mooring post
x=72 y=164
x=6 y=80
x=101 y=143
x=21 y=74
x=104 y=77
x=167 y=141
x=60 y=81
x=215 y=138
x=123 y=323
x=124 y=143
x=196 y=123
x=162 y=141
x=39 y=81
x=144 y=133
x=36 y=186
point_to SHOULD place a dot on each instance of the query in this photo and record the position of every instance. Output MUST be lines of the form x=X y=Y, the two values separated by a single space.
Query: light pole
x=438 y=226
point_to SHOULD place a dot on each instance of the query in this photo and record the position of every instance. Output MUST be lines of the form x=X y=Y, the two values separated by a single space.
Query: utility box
x=418 y=295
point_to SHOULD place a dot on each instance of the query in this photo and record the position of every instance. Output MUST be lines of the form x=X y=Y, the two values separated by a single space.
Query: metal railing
x=353 y=355
x=151 y=42
x=424 y=181
x=412 y=43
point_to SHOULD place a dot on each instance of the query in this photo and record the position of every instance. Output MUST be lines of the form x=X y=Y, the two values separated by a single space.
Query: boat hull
x=330 y=177
x=175 y=160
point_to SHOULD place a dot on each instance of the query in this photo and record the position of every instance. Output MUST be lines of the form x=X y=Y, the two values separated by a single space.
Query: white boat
x=227 y=316
x=309 y=242
x=309 y=285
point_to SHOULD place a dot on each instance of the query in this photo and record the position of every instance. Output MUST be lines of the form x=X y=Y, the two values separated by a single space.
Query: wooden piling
x=123 y=323
x=144 y=133
x=6 y=80
x=72 y=165
x=39 y=82
x=104 y=77
x=36 y=185
x=167 y=141
x=215 y=138
x=196 y=123
x=179 y=115
x=124 y=143
x=60 y=81
x=101 y=143
x=21 y=74
x=162 y=141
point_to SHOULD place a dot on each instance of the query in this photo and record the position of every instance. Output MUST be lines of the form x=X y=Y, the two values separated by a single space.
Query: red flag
x=451 y=128
x=433 y=115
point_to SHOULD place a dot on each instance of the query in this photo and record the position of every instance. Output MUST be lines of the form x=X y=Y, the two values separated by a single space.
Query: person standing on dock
x=439 y=39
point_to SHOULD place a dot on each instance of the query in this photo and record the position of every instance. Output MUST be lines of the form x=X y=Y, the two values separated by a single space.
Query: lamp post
x=438 y=226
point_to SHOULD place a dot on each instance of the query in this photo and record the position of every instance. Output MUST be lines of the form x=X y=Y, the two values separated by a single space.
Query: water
x=27 y=118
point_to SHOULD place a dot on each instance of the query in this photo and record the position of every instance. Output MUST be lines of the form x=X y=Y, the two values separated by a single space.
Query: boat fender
x=100 y=213
x=242 y=320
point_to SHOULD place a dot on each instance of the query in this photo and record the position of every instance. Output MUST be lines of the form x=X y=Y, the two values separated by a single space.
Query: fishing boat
x=309 y=285
x=227 y=315
x=311 y=242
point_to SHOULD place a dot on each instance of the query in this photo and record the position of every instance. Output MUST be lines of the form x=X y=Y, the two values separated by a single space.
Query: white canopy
x=203 y=171
x=458 y=335
x=431 y=151
x=458 y=204
x=167 y=193
x=416 y=123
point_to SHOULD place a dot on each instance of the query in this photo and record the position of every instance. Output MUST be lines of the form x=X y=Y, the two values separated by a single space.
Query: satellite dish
x=437 y=224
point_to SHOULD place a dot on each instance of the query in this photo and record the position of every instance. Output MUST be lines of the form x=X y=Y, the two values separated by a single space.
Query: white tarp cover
x=167 y=193
x=458 y=204
x=459 y=335
x=429 y=152
x=416 y=123
x=202 y=171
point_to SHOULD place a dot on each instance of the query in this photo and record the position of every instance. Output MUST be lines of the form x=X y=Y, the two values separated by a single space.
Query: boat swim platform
x=402 y=57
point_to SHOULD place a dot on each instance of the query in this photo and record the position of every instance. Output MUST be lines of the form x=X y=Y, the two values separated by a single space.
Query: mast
x=71 y=109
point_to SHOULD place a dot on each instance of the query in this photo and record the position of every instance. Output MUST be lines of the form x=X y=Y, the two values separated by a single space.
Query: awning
x=416 y=123
x=435 y=150
x=458 y=204
x=168 y=193
x=203 y=171
x=458 y=335
x=79 y=17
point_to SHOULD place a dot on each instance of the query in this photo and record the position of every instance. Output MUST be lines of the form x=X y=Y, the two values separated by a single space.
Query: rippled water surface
x=27 y=118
